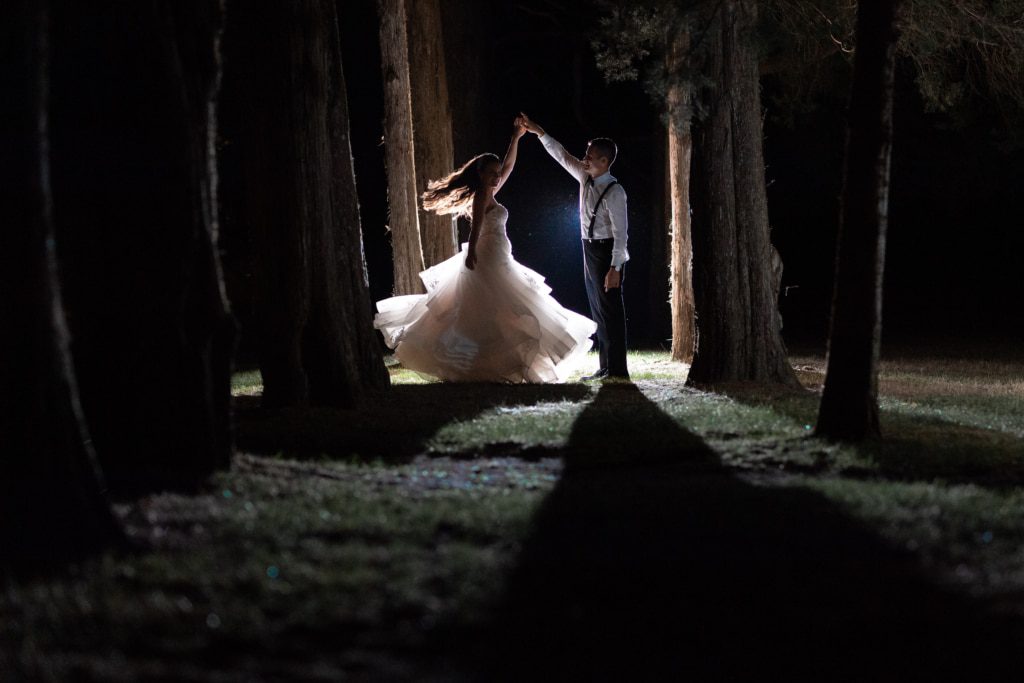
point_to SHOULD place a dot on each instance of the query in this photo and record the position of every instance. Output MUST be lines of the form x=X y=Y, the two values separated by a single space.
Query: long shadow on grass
x=648 y=560
x=393 y=428
x=914 y=447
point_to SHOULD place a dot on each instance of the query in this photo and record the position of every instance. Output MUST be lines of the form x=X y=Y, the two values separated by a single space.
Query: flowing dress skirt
x=496 y=323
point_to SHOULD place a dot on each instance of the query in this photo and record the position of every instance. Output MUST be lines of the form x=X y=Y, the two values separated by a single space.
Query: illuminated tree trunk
x=52 y=504
x=398 y=146
x=313 y=313
x=432 y=122
x=683 y=323
x=849 y=403
x=134 y=186
x=680 y=148
x=659 y=281
x=738 y=324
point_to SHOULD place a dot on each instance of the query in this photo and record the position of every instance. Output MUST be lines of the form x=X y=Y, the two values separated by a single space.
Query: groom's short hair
x=605 y=147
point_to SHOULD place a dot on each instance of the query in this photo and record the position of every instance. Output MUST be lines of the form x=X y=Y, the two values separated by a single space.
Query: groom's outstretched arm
x=570 y=163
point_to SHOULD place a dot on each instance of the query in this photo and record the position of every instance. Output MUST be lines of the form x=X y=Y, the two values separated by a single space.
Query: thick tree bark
x=432 y=122
x=134 y=88
x=738 y=324
x=849 y=403
x=52 y=504
x=398 y=145
x=313 y=315
x=680 y=149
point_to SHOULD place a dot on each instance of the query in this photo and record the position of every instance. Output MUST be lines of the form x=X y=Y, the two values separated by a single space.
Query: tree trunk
x=398 y=146
x=659 y=281
x=680 y=148
x=738 y=325
x=849 y=403
x=134 y=91
x=358 y=344
x=465 y=33
x=52 y=505
x=432 y=122
x=313 y=314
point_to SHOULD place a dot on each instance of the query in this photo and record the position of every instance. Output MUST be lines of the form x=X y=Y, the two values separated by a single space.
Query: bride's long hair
x=453 y=194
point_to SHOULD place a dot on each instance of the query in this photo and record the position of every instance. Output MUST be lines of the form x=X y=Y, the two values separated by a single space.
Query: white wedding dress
x=496 y=323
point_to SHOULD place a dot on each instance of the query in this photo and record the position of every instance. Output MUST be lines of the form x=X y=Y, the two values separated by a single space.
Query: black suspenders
x=597 y=205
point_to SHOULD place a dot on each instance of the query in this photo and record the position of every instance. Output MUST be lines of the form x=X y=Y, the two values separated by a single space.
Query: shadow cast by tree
x=394 y=428
x=916 y=447
x=658 y=562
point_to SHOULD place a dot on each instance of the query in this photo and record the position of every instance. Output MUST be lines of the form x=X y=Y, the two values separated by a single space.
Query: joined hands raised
x=527 y=123
x=520 y=128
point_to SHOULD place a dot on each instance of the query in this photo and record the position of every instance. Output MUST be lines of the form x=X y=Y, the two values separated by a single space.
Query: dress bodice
x=494 y=220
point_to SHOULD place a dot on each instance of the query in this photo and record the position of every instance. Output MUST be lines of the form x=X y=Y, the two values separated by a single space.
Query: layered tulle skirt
x=495 y=323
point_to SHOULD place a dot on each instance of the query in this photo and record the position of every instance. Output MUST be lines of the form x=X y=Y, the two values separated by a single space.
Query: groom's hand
x=520 y=127
x=612 y=280
x=531 y=125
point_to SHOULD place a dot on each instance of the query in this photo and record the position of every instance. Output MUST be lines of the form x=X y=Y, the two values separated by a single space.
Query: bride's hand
x=529 y=125
x=520 y=127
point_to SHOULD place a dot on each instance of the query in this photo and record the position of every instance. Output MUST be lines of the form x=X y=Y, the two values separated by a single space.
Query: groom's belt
x=603 y=240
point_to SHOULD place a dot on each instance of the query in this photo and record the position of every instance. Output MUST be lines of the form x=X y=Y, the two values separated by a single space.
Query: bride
x=485 y=317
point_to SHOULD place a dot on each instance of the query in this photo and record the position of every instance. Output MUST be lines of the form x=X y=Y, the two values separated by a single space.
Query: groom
x=603 y=227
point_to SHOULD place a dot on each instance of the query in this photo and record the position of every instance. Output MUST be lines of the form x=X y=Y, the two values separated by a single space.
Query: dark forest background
x=955 y=240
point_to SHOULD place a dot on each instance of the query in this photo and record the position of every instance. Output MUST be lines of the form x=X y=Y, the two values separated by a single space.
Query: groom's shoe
x=600 y=374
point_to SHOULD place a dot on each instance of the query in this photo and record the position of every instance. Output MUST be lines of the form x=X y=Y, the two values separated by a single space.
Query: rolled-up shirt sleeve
x=570 y=163
x=616 y=202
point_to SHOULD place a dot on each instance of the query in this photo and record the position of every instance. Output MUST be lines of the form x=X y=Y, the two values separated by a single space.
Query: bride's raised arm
x=509 y=162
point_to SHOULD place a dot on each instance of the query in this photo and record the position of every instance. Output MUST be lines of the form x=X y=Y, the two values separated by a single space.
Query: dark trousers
x=606 y=308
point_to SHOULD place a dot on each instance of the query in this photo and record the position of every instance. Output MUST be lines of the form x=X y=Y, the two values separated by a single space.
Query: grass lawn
x=454 y=532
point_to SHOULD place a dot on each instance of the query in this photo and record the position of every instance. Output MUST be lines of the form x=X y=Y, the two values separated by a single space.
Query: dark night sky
x=955 y=237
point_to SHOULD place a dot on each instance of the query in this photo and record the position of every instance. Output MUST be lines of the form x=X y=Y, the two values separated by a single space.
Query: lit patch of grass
x=247 y=383
x=528 y=425
x=983 y=392
x=953 y=418
x=918 y=384
x=544 y=424
x=400 y=375
x=651 y=365
x=642 y=365
x=752 y=431
x=714 y=415
x=1002 y=410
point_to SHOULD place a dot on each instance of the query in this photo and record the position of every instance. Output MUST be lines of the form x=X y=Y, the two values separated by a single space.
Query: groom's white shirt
x=611 y=215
